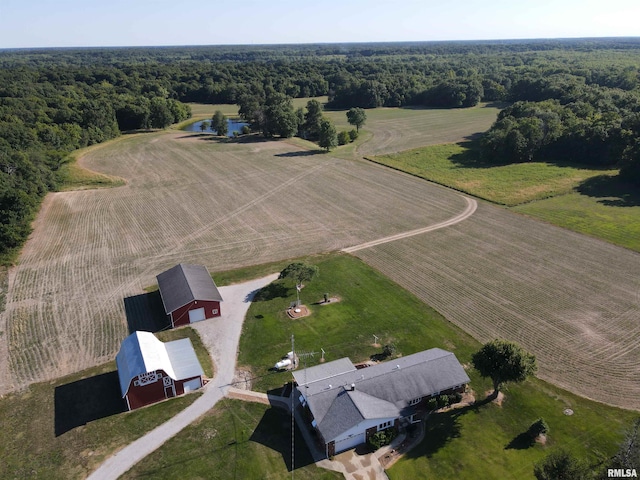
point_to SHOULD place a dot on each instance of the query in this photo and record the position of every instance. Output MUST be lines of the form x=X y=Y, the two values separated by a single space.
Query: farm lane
x=472 y=205
x=221 y=337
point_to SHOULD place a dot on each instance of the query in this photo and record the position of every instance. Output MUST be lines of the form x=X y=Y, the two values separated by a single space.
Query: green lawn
x=65 y=428
x=465 y=444
x=612 y=217
x=590 y=201
x=370 y=304
x=234 y=440
x=457 y=166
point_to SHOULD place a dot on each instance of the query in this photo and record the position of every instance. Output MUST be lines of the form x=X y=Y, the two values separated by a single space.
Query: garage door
x=196 y=315
x=192 y=385
x=349 y=442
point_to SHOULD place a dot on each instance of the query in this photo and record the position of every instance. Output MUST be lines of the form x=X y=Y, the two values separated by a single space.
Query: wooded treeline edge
x=572 y=100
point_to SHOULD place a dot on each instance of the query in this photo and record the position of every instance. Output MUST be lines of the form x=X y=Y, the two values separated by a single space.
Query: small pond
x=232 y=126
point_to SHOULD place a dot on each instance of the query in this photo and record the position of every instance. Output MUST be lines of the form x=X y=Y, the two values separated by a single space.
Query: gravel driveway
x=221 y=337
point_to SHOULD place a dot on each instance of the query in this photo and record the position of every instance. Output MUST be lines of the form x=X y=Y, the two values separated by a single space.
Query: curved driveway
x=221 y=337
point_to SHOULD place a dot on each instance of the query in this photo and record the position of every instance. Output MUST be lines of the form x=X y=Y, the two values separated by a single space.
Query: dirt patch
x=329 y=301
x=298 y=312
x=242 y=379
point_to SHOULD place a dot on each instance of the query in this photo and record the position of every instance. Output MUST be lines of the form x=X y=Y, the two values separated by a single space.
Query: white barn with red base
x=150 y=370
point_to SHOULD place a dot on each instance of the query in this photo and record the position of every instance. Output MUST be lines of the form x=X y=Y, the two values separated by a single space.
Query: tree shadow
x=611 y=191
x=300 y=153
x=440 y=429
x=146 y=312
x=274 y=432
x=521 y=442
x=271 y=291
x=471 y=156
x=85 y=400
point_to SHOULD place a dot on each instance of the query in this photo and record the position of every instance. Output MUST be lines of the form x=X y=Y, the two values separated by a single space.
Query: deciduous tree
x=504 y=361
x=219 y=124
x=328 y=138
x=357 y=116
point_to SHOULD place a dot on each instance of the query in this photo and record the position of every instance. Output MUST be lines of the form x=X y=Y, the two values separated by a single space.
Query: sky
x=87 y=23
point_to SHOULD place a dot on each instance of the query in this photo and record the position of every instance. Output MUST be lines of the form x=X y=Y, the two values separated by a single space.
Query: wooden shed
x=189 y=294
x=150 y=370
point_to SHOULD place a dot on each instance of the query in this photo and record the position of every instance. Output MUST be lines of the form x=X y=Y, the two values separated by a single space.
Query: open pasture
x=187 y=199
x=572 y=300
x=398 y=129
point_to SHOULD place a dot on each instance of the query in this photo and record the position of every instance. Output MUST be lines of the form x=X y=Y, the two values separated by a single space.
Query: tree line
x=575 y=99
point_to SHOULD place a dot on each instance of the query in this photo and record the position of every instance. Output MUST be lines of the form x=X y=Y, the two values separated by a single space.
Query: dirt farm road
x=472 y=205
x=221 y=337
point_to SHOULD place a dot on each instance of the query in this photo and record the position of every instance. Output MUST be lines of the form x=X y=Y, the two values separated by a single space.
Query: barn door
x=196 y=315
x=169 y=387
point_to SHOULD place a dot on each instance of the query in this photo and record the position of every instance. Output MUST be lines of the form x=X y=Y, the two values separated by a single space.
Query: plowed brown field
x=571 y=299
x=191 y=200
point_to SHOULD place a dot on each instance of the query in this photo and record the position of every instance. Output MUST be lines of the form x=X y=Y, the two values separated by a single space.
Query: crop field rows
x=188 y=200
x=572 y=300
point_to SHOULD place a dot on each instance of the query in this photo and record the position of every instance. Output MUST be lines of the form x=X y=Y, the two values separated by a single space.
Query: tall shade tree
x=219 y=124
x=504 y=361
x=312 y=119
x=356 y=116
x=328 y=138
x=204 y=125
x=300 y=272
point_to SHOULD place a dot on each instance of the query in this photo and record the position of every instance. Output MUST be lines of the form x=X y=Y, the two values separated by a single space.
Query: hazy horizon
x=158 y=23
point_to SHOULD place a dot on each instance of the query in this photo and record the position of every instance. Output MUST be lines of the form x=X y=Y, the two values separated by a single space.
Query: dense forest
x=571 y=100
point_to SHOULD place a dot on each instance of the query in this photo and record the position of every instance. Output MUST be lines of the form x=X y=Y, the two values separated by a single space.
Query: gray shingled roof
x=379 y=391
x=183 y=284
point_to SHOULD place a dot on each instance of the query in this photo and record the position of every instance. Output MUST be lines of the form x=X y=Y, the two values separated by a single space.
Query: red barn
x=150 y=370
x=189 y=294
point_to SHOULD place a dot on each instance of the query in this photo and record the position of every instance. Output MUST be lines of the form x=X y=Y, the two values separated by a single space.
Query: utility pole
x=293 y=404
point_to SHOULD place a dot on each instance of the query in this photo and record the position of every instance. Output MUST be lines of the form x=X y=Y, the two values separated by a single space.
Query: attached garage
x=350 y=442
x=189 y=294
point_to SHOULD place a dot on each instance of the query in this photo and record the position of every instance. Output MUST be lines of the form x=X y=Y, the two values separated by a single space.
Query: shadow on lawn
x=611 y=191
x=85 y=400
x=146 y=312
x=442 y=427
x=300 y=153
x=521 y=442
x=271 y=291
x=274 y=432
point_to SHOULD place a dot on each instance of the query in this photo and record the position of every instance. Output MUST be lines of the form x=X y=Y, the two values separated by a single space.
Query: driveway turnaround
x=221 y=336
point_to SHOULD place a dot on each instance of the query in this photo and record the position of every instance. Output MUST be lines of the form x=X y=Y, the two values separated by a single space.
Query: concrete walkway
x=221 y=337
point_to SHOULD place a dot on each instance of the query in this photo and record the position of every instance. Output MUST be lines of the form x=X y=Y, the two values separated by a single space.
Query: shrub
x=538 y=427
x=353 y=134
x=382 y=438
x=343 y=138
x=455 y=397
x=246 y=130
x=443 y=401
x=432 y=404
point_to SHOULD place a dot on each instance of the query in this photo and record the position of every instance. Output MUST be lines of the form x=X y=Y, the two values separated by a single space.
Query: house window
x=385 y=425
x=415 y=401
x=215 y=311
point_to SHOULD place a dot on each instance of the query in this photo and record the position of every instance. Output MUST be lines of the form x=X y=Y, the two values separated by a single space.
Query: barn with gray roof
x=348 y=405
x=189 y=294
